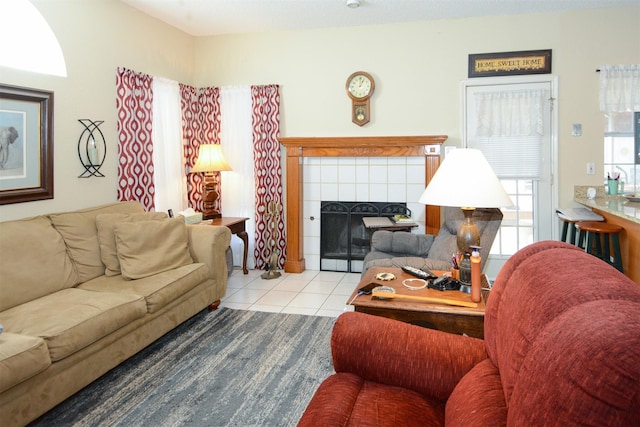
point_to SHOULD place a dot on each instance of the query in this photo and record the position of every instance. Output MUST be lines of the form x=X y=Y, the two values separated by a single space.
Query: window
x=619 y=98
x=621 y=152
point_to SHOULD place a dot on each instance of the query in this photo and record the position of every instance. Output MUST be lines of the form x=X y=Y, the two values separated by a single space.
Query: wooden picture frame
x=26 y=144
x=510 y=63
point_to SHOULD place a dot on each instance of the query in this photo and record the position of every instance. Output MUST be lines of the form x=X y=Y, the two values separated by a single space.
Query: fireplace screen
x=344 y=241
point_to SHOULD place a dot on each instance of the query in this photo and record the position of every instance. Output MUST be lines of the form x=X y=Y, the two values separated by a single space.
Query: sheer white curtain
x=510 y=126
x=238 y=185
x=169 y=174
x=619 y=88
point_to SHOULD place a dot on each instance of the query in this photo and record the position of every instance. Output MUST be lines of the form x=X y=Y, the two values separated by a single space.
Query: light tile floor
x=319 y=293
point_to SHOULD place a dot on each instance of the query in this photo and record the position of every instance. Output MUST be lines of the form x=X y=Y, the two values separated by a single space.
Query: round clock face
x=359 y=85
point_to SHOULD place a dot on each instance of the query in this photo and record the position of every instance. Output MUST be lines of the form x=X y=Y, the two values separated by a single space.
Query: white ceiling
x=212 y=17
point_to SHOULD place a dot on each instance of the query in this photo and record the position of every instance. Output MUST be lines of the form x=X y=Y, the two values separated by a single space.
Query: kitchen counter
x=620 y=211
x=615 y=205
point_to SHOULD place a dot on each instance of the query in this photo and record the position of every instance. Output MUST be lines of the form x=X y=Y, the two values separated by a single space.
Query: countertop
x=619 y=206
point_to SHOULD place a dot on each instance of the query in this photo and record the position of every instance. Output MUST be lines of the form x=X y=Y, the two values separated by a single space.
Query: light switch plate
x=576 y=130
x=591 y=168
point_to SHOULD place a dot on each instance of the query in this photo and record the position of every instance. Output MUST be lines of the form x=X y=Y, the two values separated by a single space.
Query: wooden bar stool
x=566 y=223
x=597 y=241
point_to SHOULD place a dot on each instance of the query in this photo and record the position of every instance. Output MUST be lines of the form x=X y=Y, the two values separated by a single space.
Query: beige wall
x=418 y=68
x=96 y=37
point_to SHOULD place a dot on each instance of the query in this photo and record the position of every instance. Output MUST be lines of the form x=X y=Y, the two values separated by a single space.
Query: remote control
x=425 y=275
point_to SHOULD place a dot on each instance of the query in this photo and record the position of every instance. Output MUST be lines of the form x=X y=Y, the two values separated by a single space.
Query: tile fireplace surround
x=375 y=146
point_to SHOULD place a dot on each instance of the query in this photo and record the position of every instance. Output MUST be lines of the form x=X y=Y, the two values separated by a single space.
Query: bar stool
x=597 y=241
x=566 y=223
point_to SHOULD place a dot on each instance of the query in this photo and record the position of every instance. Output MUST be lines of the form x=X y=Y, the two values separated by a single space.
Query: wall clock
x=360 y=87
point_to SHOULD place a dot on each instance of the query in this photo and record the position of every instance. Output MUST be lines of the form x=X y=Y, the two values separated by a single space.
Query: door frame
x=494 y=263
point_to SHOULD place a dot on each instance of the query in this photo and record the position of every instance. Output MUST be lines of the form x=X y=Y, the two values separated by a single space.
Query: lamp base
x=209 y=197
x=468 y=234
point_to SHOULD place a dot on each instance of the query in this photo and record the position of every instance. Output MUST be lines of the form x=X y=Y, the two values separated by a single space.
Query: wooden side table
x=237 y=227
x=447 y=318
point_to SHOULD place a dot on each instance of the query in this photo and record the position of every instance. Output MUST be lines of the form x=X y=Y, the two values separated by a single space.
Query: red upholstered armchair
x=562 y=347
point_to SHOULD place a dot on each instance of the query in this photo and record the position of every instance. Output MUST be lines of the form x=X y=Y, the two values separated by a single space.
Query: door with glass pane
x=512 y=121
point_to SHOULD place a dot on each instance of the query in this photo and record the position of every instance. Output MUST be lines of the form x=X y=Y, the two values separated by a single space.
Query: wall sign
x=510 y=63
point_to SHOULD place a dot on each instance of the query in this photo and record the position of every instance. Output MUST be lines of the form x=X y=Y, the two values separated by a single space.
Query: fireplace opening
x=344 y=241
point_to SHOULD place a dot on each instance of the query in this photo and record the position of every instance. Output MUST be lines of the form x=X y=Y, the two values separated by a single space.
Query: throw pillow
x=107 y=240
x=146 y=248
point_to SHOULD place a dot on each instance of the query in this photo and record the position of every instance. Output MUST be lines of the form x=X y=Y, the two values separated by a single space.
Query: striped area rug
x=222 y=368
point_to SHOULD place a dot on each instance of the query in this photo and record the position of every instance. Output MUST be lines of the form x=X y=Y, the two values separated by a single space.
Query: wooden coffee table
x=447 y=318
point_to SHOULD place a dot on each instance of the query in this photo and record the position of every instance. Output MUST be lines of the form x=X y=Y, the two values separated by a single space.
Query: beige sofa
x=82 y=291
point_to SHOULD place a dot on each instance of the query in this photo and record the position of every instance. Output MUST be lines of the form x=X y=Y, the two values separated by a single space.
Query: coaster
x=385 y=277
x=384 y=289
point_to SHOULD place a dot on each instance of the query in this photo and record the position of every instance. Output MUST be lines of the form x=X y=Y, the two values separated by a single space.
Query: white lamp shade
x=465 y=179
x=210 y=159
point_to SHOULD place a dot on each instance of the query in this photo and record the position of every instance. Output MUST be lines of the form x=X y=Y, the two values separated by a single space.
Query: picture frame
x=26 y=144
x=510 y=63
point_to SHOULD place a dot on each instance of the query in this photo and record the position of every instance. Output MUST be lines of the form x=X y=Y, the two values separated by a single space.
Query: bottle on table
x=476 y=283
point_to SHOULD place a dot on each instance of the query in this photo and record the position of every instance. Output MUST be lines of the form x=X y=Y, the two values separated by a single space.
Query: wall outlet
x=591 y=168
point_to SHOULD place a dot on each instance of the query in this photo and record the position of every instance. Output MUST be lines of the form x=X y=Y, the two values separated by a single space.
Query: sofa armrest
x=401 y=243
x=394 y=353
x=208 y=244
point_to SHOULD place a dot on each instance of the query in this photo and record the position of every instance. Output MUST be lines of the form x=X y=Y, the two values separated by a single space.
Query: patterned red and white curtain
x=135 y=145
x=265 y=102
x=200 y=125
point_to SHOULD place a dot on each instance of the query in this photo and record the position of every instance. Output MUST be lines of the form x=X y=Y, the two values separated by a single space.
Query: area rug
x=222 y=368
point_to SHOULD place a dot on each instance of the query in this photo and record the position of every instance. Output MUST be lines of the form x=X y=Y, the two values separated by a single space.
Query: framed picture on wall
x=510 y=63
x=26 y=144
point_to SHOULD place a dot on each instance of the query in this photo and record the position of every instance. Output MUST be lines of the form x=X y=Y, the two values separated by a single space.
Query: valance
x=619 y=88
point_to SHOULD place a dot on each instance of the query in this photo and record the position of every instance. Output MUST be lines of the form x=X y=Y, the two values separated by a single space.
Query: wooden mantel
x=368 y=146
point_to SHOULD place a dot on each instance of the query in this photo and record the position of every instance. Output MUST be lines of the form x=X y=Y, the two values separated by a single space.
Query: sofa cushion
x=29 y=268
x=21 y=357
x=158 y=290
x=478 y=399
x=408 y=244
x=345 y=399
x=78 y=228
x=71 y=319
x=512 y=328
x=146 y=248
x=107 y=240
x=598 y=379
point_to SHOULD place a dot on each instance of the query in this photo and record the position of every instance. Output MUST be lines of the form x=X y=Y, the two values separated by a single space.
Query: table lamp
x=210 y=160
x=465 y=180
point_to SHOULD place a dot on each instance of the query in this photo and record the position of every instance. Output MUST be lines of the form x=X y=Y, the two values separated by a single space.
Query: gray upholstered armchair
x=389 y=249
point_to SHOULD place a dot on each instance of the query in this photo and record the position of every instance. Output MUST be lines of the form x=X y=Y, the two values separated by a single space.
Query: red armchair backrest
x=563 y=330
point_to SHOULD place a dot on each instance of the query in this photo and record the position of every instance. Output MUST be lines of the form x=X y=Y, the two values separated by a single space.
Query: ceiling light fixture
x=353 y=3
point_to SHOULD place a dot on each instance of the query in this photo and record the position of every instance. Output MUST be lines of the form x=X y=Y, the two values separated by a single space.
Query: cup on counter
x=455 y=273
x=612 y=186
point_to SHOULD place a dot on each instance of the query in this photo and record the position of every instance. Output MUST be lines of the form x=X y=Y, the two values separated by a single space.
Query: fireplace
x=298 y=148
x=344 y=241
